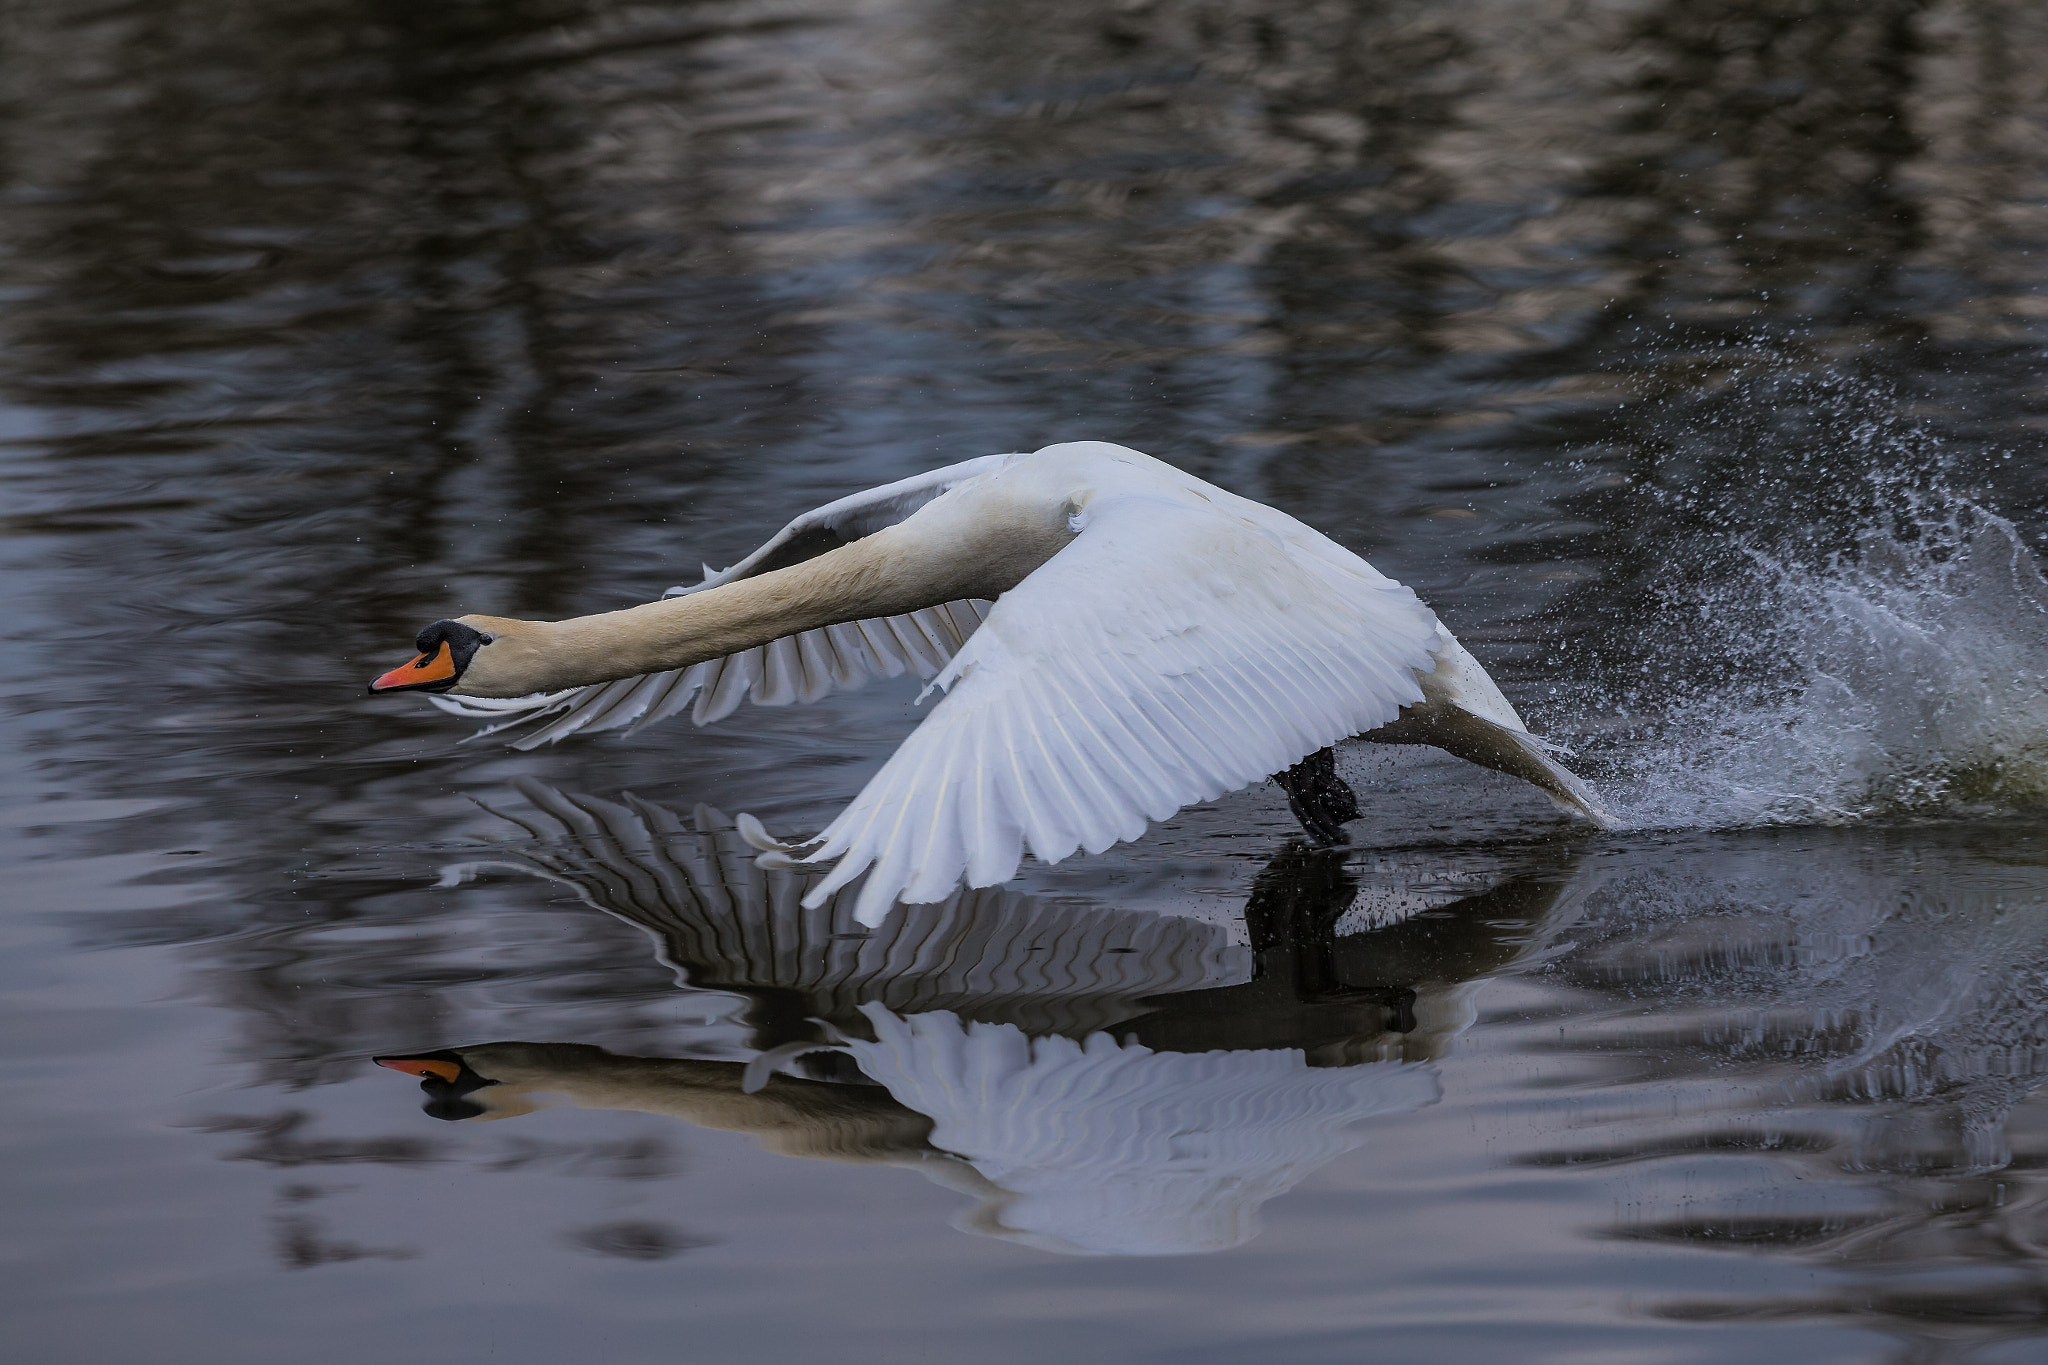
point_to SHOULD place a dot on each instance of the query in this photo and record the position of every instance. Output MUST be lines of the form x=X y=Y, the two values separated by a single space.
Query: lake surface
x=1687 y=355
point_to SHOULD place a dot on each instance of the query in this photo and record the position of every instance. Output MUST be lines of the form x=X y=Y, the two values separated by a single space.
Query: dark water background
x=1686 y=354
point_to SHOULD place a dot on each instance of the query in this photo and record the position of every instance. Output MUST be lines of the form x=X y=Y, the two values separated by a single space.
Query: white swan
x=1116 y=640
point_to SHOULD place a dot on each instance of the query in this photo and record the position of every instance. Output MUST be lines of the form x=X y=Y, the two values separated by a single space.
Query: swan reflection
x=1096 y=1146
x=1089 y=1146
x=1817 y=1045
x=1101 y=1081
x=788 y=1115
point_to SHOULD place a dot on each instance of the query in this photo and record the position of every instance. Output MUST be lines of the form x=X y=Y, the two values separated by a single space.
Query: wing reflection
x=972 y=1039
x=725 y=924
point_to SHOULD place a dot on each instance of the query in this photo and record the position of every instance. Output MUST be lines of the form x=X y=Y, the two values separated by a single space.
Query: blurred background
x=1686 y=356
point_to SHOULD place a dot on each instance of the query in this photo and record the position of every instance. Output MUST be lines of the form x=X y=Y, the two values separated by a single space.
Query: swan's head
x=474 y=656
x=446 y=650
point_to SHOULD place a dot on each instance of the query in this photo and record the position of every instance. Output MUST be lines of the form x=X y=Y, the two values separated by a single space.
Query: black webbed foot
x=1319 y=798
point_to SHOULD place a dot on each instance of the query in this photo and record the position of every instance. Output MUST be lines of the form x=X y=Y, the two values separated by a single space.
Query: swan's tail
x=1492 y=745
x=1464 y=713
x=1520 y=754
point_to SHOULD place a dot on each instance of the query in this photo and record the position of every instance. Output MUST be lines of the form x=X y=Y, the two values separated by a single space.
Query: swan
x=1115 y=639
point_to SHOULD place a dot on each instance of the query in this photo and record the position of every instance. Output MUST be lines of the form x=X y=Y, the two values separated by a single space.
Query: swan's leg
x=1319 y=798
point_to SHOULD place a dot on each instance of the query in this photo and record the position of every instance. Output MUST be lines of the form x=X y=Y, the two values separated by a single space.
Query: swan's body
x=1116 y=639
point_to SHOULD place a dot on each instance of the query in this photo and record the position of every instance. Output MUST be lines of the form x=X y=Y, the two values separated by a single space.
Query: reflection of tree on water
x=1086 y=1073
x=1857 y=1035
x=1835 y=986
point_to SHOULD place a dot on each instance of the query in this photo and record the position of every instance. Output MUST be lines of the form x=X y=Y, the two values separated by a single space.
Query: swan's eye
x=486 y=639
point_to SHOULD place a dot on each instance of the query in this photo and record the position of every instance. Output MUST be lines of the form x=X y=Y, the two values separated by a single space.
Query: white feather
x=1236 y=640
x=801 y=667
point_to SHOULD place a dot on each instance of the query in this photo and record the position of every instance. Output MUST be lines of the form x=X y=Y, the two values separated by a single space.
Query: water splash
x=1906 y=675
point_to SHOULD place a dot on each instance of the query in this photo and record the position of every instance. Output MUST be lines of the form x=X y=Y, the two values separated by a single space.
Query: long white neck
x=954 y=553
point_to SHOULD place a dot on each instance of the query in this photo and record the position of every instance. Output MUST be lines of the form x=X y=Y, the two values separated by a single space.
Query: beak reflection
x=444 y=1067
x=447 y=1080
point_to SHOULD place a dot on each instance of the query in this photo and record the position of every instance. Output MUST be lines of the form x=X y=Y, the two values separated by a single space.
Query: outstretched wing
x=801 y=667
x=1177 y=648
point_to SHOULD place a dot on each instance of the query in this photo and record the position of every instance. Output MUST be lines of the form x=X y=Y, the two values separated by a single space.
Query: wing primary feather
x=1211 y=761
x=1162 y=703
x=927 y=627
x=998 y=839
x=1237 y=732
x=1151 y=785
x=882 y=643
x=813 y=648
x=1267 y=731
x=1293 y=730
x=922 y=788
x=848 y=653
x=1099 y=808
x=1027 y=797
x=1308 y=716
x=688 y=682
x=737 y=674
x=600 y=699
x=1318 y=671
x=619 y=703
x=776 y=686
x=916 y=648
x=1159 y=747
x=939 y=850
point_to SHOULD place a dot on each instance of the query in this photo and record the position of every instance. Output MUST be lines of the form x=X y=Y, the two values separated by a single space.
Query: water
x=1686 y=357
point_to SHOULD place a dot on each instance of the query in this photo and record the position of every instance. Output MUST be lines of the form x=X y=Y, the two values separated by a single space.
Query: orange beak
x=424 y=671
x=423 y=1067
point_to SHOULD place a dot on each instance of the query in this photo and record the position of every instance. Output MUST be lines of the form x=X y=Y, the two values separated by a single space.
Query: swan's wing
x=1174 y=650
x=851 y=518
x=795 y=668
